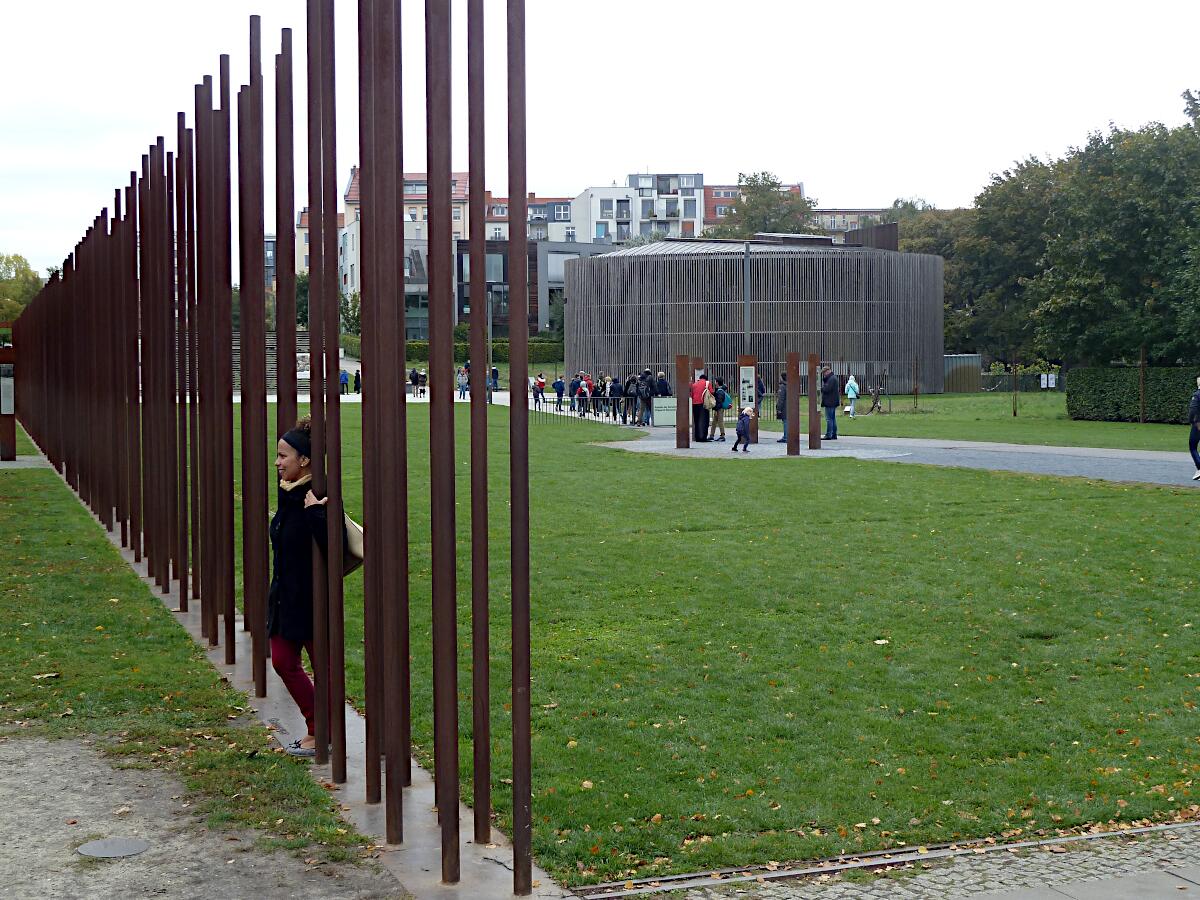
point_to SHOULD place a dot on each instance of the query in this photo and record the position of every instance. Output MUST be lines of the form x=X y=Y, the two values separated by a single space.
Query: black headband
x=300 y=441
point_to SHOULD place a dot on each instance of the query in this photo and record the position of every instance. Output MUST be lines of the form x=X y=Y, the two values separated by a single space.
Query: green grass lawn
x=784 y=660
x=1041 y=419
x=86 y=649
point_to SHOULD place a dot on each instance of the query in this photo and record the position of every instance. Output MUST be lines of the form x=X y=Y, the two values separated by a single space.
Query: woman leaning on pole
x=298 y=521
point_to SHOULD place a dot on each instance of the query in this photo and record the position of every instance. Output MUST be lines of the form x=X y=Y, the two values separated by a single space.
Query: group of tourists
x=631 y=398
x=831 y=399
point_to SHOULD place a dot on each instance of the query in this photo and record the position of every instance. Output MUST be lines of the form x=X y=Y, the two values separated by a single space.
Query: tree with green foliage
x=302 y=300
x=902 y=210
x=944 y=232
x=349 y=313
x=1119 y=273
x=19 y=284
x=765 y=205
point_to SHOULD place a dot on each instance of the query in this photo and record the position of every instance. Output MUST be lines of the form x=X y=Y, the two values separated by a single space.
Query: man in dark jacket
x=831 y=398
x=574 y=390
x=1194 y=438
x=646 y=391
x=664 y=386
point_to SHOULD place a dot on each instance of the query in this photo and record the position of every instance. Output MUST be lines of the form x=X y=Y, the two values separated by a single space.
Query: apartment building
x=548 y=219
x=667 y=205
x=302 y=238
x=846 y=219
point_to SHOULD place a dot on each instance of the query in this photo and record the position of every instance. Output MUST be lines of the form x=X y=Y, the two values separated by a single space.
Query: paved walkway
x=1165 y=865
x=1145 y=466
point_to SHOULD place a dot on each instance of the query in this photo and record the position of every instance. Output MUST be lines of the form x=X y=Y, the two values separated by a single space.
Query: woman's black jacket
x=293 y=530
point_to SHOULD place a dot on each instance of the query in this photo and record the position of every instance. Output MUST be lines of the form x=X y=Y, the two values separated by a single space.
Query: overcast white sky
x=863 y=102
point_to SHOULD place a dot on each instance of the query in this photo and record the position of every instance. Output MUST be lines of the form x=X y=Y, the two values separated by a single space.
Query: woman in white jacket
x=851 y=395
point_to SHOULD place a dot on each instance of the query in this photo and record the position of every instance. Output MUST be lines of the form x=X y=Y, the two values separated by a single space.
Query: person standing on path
x=358 y=381
x=781 y=406
x=344 y=381
x=299 y=520
x=646 y=390
x=742 y=431
x=724 y=402
x=831 y=398
x=1194 y=438
x=664 y=386
x=495 y=379
x=559 y=388
x=539 y=390
x=615 y=391
x=631 y=401
x=462 y=384
x=574 y=390
x=851 y=395
x=760 y=391
x=422 y=382
x=699 y=412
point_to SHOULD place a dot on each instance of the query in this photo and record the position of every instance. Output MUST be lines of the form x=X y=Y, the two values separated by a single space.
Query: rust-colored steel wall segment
x=441 y=431
x=223 y=360
x=793 y=403
x=285 y=241
x=480 y=638
x=814 y=411
x=182 y=251
x=518 y=430
x=683 y=405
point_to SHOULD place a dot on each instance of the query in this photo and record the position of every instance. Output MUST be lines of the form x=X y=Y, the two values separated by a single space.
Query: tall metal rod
x=518 y=336
x=441 y=431
x=189 y=160
x=814 y=409
x=255 y=565
x=333 y=416
x=683 y=402
x=285 y=241
x=316 y=324
x=183 y=252
x=223 y=359
x=373 y=618
x=133 y=428
x=480 y=681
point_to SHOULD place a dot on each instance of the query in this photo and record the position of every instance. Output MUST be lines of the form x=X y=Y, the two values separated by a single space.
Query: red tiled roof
x=461 y=185
x=302 y=220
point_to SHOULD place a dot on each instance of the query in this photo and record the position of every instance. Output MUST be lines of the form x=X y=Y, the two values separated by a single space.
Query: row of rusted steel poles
x=134 y=341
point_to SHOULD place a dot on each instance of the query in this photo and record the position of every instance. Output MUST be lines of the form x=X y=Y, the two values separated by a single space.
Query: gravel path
x=56 y=795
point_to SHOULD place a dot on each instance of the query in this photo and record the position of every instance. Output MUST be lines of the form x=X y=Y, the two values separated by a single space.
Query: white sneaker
x=1196 y=477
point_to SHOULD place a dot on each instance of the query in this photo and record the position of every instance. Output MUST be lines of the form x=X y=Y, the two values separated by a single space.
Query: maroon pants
x=285 y=658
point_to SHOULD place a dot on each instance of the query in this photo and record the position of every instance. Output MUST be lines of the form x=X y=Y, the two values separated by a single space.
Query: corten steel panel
x=519 y=454
x=333 y=428
x=368 y=26
x=683 y=409
x=316 y=319
x=441 y=432
x=181 y=361
x=814 y=410
x=870 y=310
x=793 y=404
x=133 y=427
x=189 y=156
x=174 y=474
x=285 y=240
x=480 y=637
x=206 y=274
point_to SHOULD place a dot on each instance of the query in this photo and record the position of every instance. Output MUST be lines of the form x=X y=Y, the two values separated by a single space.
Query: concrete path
x=1144 y=466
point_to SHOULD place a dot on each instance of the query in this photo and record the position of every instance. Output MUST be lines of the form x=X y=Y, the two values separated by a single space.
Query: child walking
x=742 y=431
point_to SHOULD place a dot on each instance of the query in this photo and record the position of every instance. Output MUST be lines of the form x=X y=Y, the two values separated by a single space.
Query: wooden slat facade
x=873 y=313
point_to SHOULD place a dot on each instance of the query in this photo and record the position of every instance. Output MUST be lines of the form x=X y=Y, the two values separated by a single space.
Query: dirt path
x=56 y=795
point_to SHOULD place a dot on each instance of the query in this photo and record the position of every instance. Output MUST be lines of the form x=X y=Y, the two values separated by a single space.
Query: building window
x=689 y=208
x=647 y=208
x=562 y=212
x=646 y=228
x=601 y=229
x=687 y=181
x=306 y=237
x=497 y=234
x=623 y=233
x=646 y=181
x=722 y=212
x=571 y=233
x=306 y=259
x=606 y=209
x=407 y=266
x=415 y=187
x=458 y=214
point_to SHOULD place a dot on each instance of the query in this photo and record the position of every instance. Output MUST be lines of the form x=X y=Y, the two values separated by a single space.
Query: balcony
x=623 y=215
x=672 y=213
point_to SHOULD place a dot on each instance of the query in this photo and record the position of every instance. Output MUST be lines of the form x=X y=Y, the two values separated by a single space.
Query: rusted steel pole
x=814 y=409
x=480 y=639
x=441 y=431
x=146 y=369
x=316 y=331
x=192 y=332
x=683 y=403
x=205 y=319
x=130 y=363
x=172 y=475
x=224 y=363
x=120 y=335
x=792 y=404
x=518 y=336
x=333 y=415
x=255 y=564
x=182 y=255
x=285 y=241
x=368 y=33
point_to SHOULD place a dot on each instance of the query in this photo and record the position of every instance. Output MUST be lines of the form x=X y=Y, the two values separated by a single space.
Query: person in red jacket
x=699 y=413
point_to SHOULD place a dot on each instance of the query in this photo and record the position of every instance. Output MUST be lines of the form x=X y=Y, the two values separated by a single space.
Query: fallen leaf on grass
x=586 y=785
x=1057 y=848
x=883 y=641
x=45 y=675
x=122 y=811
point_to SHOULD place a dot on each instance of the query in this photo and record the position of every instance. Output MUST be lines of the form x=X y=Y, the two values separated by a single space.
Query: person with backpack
x=851 y=396
x=539 y=390
x=701 y=398
x=831 y=398
x=413 y=377
x=1194 y=437
x=645 y=392
x=724 y=402
x=584 y=392
x=559 y=388
x=631 y=401
x=664 y=386
x=742 y=431
x=422 y=382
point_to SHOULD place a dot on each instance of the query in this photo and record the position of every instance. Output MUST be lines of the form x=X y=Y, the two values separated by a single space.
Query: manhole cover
x=113 y=848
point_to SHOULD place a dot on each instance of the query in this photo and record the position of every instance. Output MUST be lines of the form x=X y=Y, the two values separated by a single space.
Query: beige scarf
x=292 y=485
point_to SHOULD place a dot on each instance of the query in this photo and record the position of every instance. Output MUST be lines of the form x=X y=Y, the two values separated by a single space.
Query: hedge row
x=1111 y=395
x=418 y=351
